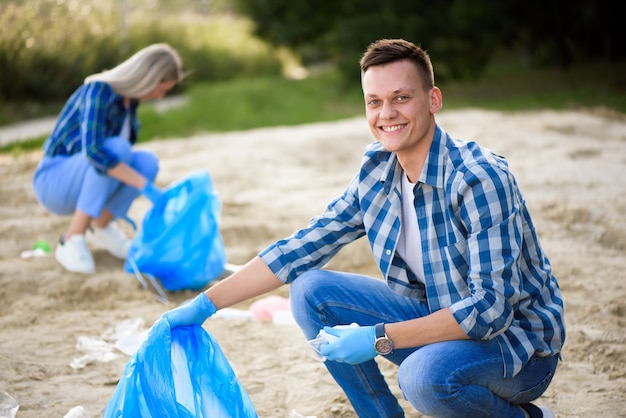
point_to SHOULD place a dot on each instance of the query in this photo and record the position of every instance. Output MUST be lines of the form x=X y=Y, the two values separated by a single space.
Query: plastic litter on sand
x=76 y=412
x=41 y=248
x=8 y=405
x=126 y=337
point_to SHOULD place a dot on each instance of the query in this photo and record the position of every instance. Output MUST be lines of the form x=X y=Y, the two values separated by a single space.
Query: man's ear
x=436 y=100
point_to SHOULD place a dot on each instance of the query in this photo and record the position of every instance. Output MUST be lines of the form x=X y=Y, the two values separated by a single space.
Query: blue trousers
x=462 y=378
x=63 y=184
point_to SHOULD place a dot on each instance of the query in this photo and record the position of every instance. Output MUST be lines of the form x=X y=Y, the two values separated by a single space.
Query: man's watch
x=383 y=345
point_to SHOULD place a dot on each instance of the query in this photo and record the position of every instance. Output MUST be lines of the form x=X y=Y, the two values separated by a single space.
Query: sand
x=571 y=167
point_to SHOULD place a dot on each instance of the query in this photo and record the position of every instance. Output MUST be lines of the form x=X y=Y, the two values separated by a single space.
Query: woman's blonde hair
x=142 y=72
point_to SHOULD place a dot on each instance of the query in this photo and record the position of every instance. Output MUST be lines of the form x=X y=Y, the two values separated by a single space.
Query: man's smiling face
x=398 y=109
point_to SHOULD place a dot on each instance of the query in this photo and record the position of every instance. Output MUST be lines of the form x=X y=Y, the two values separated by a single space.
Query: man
x=469 y=308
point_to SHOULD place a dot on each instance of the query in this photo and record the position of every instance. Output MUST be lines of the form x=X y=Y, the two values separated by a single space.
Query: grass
x=248 y=104
x=510 y=87
x=264 y=102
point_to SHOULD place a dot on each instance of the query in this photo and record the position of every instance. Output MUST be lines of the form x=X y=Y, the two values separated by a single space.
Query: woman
x=89 y=168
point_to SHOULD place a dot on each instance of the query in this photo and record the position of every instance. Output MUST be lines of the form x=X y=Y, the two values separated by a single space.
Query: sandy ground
x=571 y=167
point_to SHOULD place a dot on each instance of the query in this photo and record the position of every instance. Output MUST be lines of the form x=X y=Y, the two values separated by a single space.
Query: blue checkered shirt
x=482 y=257
x=92 y=114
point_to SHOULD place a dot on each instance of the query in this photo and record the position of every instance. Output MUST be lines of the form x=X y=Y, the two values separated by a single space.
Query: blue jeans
x=461 y=378
x=63 y=184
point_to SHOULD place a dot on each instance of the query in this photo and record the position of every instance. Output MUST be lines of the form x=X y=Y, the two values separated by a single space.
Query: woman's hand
x=152 y=192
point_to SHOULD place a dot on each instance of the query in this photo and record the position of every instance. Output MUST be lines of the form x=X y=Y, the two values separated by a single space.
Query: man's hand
x=353 y=345
x=152 y=192
x=193 y=313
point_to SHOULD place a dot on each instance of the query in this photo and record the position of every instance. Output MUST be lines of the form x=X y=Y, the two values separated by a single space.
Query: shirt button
x=388 y=252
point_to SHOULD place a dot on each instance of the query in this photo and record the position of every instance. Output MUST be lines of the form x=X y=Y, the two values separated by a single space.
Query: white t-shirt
x=125 y=131
x=410 y=243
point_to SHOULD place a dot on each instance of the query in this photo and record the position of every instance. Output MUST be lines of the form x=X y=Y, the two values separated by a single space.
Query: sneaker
x=547 y=413
x=73 y=254
x=537 y=411
x=109 y=238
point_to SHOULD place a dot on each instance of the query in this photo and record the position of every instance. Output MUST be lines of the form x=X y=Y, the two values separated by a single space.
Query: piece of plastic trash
x=124 y=328
x=128 y=344
x=41 y=248
x=283 y=318
x=296 y=414
x=265 y=308
x=233 y=313
x=179 y=372
x=312 y=347
x=94 y=349
x=76 y=412
x=8 y=406
x=127 y=336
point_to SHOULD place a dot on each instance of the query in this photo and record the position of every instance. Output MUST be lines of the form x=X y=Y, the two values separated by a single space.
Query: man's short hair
x=386 y=51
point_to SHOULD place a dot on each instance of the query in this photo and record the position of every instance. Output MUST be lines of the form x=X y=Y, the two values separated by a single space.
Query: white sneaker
x=74 y=255
x=547 y=413
x=109 y=238
x=533 y=411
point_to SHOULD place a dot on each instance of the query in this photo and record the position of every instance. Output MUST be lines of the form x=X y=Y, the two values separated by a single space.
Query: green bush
x=215 y=48
x=47 y=47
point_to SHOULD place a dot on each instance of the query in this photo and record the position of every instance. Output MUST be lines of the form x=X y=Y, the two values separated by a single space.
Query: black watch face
x=383 y=346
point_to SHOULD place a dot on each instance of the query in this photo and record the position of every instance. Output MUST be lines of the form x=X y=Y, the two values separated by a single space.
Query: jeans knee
x=120 y=147
x=309 y=284
x=146 y=163
x=424 y=386
x=305 y=294
x=302 y=289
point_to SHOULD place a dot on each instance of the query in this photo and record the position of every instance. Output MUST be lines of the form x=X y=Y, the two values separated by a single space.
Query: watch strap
x=379 y=330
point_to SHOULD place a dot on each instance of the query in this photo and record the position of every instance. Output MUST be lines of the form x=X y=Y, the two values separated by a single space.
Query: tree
x=460 y=35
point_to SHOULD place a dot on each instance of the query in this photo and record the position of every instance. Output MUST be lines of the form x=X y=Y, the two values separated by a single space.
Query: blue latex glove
x=354 y=345
x=152 y=192
x=193 y=313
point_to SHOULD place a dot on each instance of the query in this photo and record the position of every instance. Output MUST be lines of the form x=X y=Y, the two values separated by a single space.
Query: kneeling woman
x=89 y=169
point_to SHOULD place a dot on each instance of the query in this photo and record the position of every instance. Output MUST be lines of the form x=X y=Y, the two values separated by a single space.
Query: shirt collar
x=433 y=172
x=434 y=166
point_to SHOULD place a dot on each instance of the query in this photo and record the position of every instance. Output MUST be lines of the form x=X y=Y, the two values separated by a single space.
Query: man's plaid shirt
x=481 y=254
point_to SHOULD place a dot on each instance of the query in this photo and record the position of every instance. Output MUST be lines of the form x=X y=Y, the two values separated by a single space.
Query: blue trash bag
x=179 y=373
x=179 y=241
